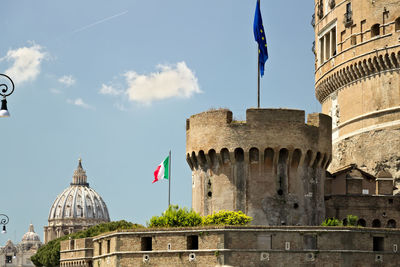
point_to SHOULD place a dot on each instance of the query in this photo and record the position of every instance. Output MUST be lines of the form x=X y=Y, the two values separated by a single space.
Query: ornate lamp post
x=4 y=93
x=4 y=220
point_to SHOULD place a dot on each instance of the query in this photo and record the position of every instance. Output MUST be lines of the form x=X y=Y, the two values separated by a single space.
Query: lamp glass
x=4 y=113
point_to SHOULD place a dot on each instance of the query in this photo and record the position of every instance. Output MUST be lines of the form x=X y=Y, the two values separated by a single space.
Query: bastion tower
x=357 y=80
x=271 y=166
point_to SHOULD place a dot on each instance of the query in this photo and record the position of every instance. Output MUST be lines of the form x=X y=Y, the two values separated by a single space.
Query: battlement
x=215 y=129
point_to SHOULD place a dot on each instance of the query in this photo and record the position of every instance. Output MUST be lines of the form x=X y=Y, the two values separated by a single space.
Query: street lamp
x=4 y=220
x=4 y=93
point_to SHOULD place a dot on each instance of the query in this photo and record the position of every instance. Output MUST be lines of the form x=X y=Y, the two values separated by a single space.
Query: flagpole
x=169 y=179
x=258 y=79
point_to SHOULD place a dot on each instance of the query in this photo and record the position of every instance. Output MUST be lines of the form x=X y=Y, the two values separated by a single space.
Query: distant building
x=19 y=255
x=76 y=208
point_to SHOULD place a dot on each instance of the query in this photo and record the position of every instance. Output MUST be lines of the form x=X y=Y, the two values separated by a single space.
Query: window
x=108 y=246
x=353 y=40
x=378 y=243
x=348 y=16
x=375 y=30
x=327 y=45
x=8 y=259
x=192 y=242
x=397 y=24
x=100 y=252
x=146 y=243
x=72 y=244
x=361 y=222
x=391 y=224
x=376 y=223
x=362 y=29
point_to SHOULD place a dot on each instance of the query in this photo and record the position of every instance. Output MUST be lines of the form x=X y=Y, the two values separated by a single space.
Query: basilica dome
x=79 y=200
x=76 y=208
x=31 y=236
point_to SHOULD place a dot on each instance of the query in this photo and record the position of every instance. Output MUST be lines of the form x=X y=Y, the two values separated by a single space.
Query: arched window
x=375 y=30
x=397 y=24
x=376 y=223
x=361 y=222
x=254 y=155
x=391 y=223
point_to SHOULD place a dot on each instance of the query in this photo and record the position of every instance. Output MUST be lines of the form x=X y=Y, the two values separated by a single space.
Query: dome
x=30 y=236
x=79 y=201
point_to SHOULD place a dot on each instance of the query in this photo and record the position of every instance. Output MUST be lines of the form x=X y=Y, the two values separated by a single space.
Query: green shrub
x=332 y=222
x=352 y=220
x=49 y=254
x=224 y=217
x=176 y=217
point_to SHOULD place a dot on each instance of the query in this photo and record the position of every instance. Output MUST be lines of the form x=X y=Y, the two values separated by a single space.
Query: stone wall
x=272 y=166
x=248 y=247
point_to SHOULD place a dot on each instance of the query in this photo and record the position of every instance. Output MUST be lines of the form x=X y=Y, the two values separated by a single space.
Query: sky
x=114 y=82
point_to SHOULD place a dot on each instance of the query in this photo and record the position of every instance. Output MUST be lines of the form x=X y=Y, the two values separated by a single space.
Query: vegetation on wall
x=49 y=254
x=350 y=221
x=182 y=217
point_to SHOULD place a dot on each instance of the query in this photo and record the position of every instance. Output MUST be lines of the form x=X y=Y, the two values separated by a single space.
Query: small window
x=376 y=223
x=8 y=259
x=365 y=192
x=72 y=244
x=362 y=222
x=391 y=223
x=108 y=246
x=397 y=24
x=390 y=200
x=378 y=243
x=353 y=40
x=100 y=252
x=192 y=242
x=375 y=30
x=146 y=243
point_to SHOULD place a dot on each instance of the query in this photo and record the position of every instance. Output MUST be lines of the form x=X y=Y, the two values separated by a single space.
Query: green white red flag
x=162 y=171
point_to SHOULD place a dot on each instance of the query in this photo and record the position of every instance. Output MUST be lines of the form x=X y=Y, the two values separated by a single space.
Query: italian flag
x=162 y=171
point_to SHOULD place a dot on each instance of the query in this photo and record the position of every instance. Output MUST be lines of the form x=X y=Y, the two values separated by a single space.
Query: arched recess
x=213 y=158
x=397 y=24
x=239 y=154
x=376 y=223
x=194 y=160
x=307 y=159
x=324 y=160
x=362 y=222
x=269 y=159
x=225 y=156
x=316 y=161
x=254 y=155
x=294 y=164
x=202 y=159
x=282 y=172
x=391 y=224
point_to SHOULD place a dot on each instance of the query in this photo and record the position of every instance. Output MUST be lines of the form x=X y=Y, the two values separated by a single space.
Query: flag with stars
x=259 y=35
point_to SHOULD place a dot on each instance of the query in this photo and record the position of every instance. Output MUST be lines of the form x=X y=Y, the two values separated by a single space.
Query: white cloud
x=26 y=63
x=80 y=103
x=169 y=81
x=109 y=90
x=67 y=80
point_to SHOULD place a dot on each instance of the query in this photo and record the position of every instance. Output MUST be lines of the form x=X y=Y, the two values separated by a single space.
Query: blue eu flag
x=259 y=35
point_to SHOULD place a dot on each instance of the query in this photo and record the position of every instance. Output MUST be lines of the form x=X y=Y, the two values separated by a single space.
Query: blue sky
x=113 y=83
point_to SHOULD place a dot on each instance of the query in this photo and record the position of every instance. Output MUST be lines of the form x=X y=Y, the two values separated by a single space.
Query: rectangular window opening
x=378 y=243
x=146 y=243
x=108 y=246
x=100 y=252
x=8 y=259
x=192 y=242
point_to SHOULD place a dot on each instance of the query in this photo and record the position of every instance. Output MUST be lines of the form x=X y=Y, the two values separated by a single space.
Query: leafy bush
x=332 y=222
x=49 y=254
x=352 y=220
x=225 y=217
x=176 y=217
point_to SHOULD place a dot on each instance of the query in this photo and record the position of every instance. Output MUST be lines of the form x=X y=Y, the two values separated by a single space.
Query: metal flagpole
x=169 y=179
x=258 y=79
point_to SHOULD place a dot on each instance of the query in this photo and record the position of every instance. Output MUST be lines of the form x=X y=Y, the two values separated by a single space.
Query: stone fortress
x=272 y=166
x=288 y=174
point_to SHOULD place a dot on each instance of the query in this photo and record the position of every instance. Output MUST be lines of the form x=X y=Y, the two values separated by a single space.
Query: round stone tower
x=271 y=166
x=357 y=80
